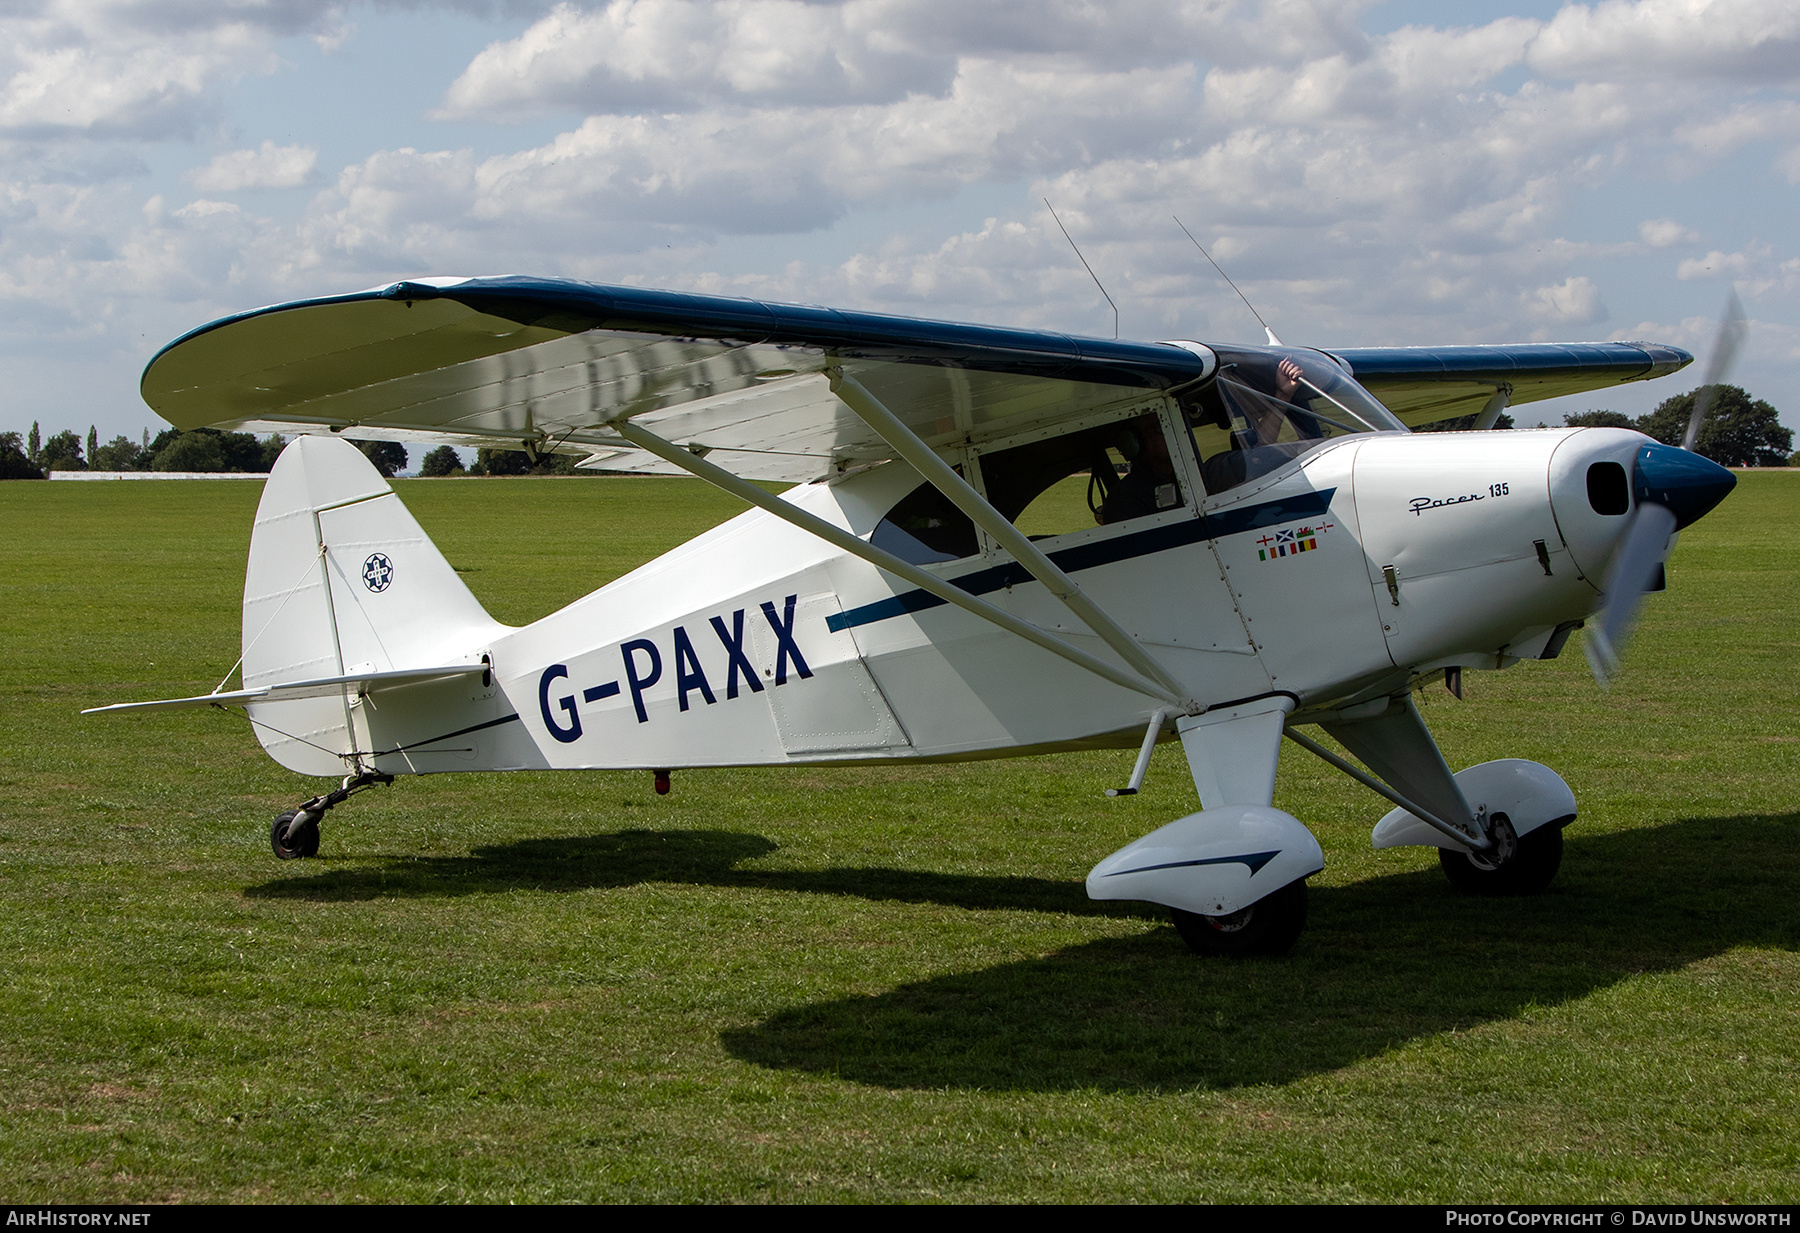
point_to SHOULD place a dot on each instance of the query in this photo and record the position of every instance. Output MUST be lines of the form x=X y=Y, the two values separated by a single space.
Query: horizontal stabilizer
x=287 y=691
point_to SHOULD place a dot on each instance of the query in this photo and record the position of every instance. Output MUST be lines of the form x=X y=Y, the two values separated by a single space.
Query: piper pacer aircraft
x=1266 y=547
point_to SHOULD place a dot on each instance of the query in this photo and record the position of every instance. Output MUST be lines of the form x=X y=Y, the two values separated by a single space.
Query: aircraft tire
x=1270 y=926
x=302 y=843
x=1529 y=872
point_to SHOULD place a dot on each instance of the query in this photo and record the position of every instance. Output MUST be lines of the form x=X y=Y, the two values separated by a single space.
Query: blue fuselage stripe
x=1101 y=552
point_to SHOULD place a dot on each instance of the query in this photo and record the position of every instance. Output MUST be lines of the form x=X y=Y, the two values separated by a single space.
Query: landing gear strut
x=295 y=833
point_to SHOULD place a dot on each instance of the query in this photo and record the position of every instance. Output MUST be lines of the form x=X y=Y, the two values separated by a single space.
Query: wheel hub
x=1506 y=844
x=1235 y=922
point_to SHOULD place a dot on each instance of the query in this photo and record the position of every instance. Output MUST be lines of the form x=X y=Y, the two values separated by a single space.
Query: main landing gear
x=295 y=833
x=1270 y=926
x=1497 y=825
x=1527 y=863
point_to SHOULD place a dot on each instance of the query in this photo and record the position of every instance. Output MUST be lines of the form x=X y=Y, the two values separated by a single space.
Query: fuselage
x=1369 y=561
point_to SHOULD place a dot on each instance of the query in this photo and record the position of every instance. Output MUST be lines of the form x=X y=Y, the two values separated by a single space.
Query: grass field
x=860 y=984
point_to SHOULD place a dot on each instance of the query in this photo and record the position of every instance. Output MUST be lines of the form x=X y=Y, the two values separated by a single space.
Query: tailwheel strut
x=294 y=834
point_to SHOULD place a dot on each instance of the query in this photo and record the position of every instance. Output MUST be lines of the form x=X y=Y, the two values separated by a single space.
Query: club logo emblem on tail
x=378 y=572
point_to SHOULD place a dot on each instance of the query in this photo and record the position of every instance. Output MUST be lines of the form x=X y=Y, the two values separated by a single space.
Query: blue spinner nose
x=1689 y=485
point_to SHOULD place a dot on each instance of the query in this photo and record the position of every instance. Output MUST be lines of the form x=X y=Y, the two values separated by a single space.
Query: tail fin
x=343 y=580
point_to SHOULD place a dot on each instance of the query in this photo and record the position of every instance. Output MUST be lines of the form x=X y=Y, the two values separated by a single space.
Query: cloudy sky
x=1370 y=173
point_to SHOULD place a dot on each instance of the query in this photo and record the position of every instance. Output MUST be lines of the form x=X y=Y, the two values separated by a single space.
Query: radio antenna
x=1086 y=266
x=1273 y=341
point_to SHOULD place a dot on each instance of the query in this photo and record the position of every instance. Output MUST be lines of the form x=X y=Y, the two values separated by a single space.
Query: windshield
x=1269 y=405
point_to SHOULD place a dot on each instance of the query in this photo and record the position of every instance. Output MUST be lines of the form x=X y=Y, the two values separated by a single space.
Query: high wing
x=550 y=364
x=555 y=366
x=1423 y=385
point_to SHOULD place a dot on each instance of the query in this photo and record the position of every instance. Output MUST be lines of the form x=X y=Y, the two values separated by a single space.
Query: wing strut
x=1479 y=843
x=881 y=559
x=945 y=479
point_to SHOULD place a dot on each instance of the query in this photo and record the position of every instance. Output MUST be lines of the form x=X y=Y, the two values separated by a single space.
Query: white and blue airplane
x=1266 y=548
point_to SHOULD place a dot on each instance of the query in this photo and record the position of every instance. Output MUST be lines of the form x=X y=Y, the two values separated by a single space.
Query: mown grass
x=859 y=984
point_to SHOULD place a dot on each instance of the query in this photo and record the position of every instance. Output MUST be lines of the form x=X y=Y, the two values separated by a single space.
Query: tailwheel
x=295 y=834
x=1270 y=926
x=1527 y=871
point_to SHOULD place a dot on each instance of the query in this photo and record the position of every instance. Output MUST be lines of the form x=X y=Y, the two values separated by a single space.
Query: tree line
x=1739 y=431
x=208 y=450
x=205 y=450
x=445 y=461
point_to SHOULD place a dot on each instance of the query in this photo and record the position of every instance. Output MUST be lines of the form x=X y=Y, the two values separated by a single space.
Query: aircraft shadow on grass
x=1384 y=961
x=703 y=858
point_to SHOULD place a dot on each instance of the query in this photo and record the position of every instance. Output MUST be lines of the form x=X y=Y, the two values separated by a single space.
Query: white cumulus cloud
x=1574 y=299
x=1419 y=185
x=1381 y=188
x=649 y=55
x=1756 y=270
x=267 y=166
x=1666 y=233
x=1655 y=40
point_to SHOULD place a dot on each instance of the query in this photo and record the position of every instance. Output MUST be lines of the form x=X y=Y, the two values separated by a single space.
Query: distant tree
x=389 y=457
x=1599 y=419
x=518 y=462
x=502 y=462
x=33 y=444
x=207 y=449
x=62 y=453
x=441 y=461
x=119 y=454
x=162 y=441
x=1740 y=431
x=93 y=443
x=198 y=450
x=241 y=450
x=271 y=450
x=13 y=461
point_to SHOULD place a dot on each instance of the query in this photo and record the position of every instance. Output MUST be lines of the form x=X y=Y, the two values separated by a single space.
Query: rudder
x=342 y=579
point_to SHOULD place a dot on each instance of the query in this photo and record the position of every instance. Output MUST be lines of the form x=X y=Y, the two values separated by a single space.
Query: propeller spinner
x=1670 y=488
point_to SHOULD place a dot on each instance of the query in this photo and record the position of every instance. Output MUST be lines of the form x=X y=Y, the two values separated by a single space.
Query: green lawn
x=859 y=984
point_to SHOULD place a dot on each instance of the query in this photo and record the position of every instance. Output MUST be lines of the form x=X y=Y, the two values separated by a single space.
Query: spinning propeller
x=1670 y=488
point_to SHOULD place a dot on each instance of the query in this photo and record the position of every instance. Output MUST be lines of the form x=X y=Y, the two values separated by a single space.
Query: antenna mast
x=1273 y=341
x=1086 y=266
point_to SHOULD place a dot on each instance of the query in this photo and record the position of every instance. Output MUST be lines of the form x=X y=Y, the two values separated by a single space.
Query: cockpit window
x=925 y=527
x=1268 y=405
x=1103 y=475
x=1123 y=468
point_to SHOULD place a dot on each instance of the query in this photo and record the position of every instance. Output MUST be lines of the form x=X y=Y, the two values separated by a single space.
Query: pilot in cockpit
x=1148 y=486
x=1264 y=408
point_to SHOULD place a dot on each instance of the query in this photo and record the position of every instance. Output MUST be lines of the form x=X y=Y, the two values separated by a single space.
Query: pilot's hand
x=1287 y=378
